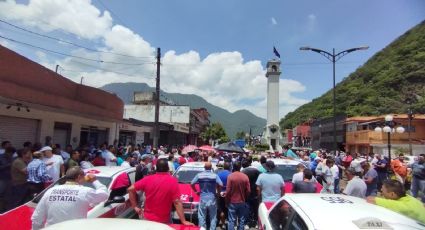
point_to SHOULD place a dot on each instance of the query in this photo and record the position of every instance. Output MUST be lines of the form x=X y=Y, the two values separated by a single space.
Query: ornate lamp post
x=334 y=58
x=410 y=115
x=390 y=127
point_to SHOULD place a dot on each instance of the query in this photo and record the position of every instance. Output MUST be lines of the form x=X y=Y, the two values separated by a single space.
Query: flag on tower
x=275 y=52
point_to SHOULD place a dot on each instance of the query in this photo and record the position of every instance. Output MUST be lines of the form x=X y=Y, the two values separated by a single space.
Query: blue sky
x=216 y=49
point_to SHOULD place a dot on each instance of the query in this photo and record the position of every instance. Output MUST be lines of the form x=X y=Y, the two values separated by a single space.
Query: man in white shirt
x=299 y=176
x=335 y=173
x=109 y=157
x=356 y=164
x=54 y=163
x=126 y=163
x=68 y=201
x=356 y=186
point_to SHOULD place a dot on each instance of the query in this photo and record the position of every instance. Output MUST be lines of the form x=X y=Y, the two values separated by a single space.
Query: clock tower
x=272 y=135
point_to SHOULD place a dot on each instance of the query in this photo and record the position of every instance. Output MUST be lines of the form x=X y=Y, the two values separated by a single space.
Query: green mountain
x=240 y=120
x=384 y=84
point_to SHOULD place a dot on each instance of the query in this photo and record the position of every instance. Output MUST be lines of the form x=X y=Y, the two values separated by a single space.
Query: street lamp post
x=389 y=128
x=334 y=58
x=410 y=115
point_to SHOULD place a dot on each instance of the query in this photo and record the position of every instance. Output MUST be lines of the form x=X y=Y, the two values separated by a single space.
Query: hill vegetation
x=386 y=83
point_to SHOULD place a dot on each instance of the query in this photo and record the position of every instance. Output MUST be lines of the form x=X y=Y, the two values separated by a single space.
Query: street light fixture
x=334 y=58
x=390 y=127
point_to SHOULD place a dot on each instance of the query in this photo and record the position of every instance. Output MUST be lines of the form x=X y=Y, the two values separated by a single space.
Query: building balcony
x=372 y=137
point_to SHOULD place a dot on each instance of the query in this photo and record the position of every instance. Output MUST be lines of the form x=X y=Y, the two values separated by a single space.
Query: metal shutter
x=18 y=130
x=60 y=136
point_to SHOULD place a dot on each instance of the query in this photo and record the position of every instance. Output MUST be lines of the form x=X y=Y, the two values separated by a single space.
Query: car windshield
x=286 y=171
x=104 y=180
x=186 y=175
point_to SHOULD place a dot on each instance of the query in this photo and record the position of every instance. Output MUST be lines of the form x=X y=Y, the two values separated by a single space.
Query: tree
x=240 y=135
x=215 y=132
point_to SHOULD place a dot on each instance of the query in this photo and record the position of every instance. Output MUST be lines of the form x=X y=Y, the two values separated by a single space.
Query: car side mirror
x=116 y=199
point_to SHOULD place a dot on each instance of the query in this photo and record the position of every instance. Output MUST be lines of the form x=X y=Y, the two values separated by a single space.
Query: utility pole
x=157 y=98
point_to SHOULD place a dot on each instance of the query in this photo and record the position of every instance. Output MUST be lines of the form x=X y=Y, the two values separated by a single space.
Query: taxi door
x=110 y=209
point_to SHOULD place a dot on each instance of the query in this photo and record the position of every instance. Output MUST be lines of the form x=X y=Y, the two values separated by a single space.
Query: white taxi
x=287 y=168
x=115 y=224
x=108 y=224
x=330 y=211
x=116 y=179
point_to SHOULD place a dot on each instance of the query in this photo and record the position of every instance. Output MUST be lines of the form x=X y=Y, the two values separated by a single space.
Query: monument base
x=273 y=138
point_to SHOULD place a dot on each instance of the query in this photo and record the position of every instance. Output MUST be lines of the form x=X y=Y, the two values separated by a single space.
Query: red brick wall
x=24 y=80
x=303 y=130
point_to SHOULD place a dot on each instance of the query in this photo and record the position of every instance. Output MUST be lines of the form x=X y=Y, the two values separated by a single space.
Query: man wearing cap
x=144 y=167
x=209 y=184
x=356 y=186
x=54 y=163
x=270 y=185
x=68 y=201
x=37 y=174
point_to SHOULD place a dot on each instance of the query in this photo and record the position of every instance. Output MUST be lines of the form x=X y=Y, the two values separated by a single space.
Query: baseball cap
x=145 y=156
x=351 y=171
x=46 y=148
x=162 y=156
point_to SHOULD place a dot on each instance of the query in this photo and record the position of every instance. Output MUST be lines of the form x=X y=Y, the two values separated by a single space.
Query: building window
x=412 y=128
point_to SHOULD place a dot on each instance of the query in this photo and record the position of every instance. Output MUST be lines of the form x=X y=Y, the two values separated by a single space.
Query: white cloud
x=6 y=44
x=78 y=17
x=224 y=79
x=311 y=23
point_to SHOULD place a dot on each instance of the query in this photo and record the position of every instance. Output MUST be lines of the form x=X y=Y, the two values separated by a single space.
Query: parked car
x=114 y=224
x=108 y=224
x=116 y=179
x=330 y=211
x=287 y=168
x=185 y=174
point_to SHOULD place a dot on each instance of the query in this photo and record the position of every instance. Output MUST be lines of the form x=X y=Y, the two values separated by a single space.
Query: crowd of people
x=231 y=195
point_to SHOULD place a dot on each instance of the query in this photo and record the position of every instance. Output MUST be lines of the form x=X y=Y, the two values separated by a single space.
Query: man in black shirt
x=305 y=186
x=252 y=174
x=144 y=168
x=381 y=167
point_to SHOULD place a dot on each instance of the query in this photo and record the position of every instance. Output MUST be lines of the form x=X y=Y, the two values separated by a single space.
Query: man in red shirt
x=161 y=191
x=237 y=191
x=400 y=168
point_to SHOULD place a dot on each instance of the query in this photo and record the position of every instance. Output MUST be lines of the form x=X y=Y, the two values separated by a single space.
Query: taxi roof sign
x=93 y=171
x=371 y=223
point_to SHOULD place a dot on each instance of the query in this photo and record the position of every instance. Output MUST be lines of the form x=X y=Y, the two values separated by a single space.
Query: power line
x=68 y=42
x=231 y=64
x=69 y=55
x=112 y=12
x=98 y=68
